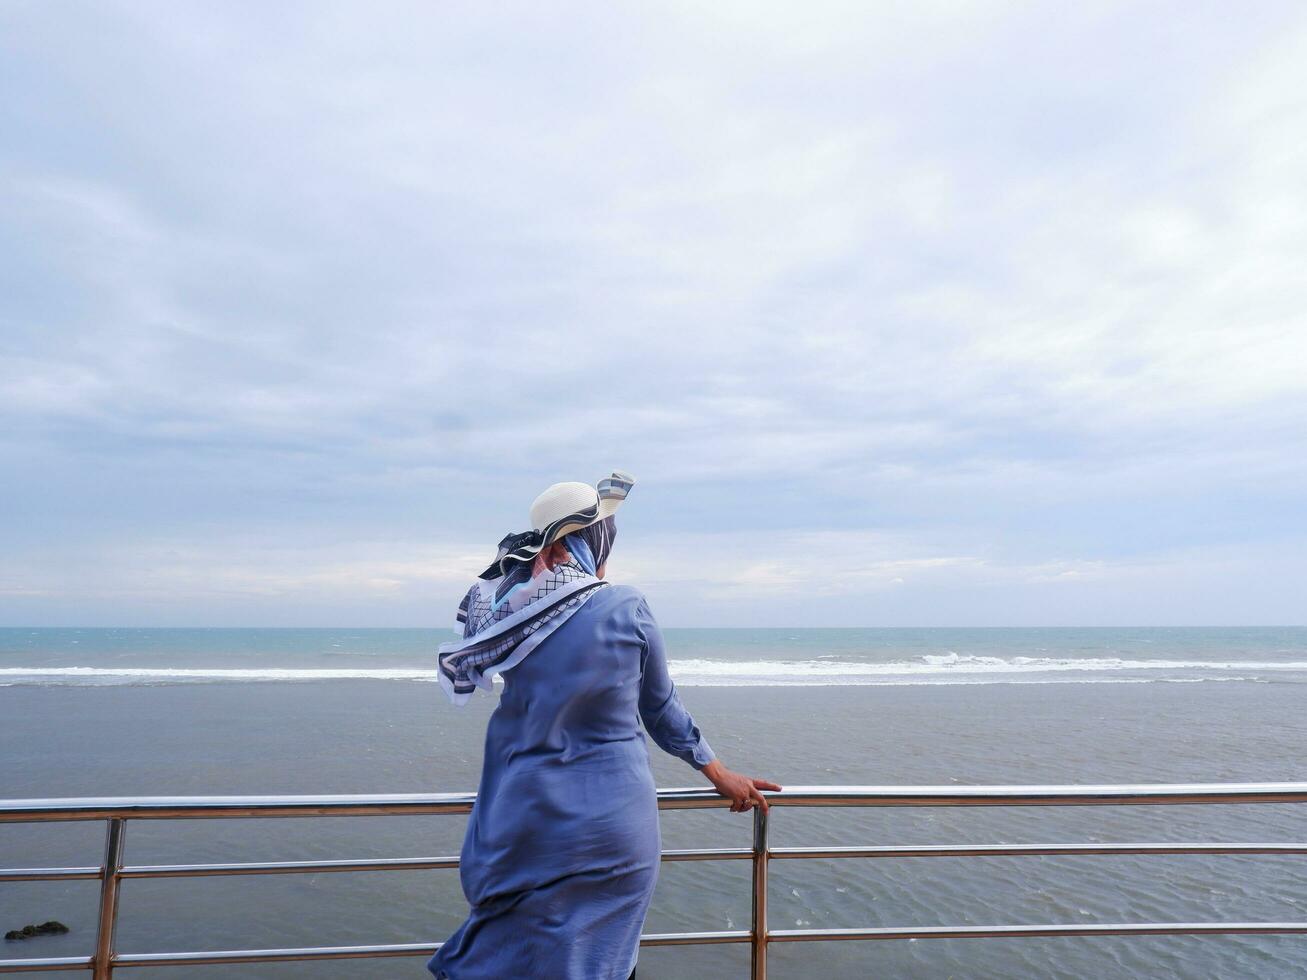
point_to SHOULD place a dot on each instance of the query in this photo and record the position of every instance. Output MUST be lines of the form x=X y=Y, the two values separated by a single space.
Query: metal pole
x=760 y=856
x=113 y=862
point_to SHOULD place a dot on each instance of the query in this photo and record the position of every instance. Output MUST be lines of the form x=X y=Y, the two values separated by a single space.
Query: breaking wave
x=948 y=668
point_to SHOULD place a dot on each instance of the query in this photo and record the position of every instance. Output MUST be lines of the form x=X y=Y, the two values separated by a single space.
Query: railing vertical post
x=113 y=862
x=760 y=859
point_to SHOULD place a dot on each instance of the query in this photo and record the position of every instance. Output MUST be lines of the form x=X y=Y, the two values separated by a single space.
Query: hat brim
x=612 y=493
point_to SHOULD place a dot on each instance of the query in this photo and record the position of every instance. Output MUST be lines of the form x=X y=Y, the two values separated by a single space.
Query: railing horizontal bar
x=273 y=955
x=693 y=854
x=210 y=807
x=695 y=938
x=697 y=854
x=1038 y=931
x=710 y=854
x=1124 y=795
x=49 y=874
x=360 y=952
x=377 y=864
x=688 y=938
x=216 y=807
x=1014 y=850
x=48 y=964
x=284 y=867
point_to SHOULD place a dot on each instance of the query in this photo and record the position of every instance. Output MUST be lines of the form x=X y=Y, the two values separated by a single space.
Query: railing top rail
x=185 y=807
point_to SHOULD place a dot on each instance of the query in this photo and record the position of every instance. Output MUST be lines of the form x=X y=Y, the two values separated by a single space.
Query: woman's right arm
x=665 y=718
x=669 y=723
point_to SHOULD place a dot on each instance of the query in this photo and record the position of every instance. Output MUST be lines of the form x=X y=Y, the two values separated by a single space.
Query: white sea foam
x=183 y=674
x=949 y=668
x=967 y=663
x=953 y=668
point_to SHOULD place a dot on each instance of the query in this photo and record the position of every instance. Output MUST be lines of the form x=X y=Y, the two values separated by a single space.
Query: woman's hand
x=742 y=791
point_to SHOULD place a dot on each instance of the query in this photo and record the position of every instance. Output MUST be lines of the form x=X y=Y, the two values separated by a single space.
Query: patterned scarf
x=505 y=617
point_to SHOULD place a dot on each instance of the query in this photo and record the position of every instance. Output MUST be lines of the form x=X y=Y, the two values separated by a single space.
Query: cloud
x=991 y=280
x=715 y=579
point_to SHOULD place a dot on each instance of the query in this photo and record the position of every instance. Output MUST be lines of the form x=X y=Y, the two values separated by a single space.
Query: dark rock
x=51 y=928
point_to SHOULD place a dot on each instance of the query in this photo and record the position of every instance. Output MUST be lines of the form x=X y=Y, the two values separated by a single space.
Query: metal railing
x=117 y=812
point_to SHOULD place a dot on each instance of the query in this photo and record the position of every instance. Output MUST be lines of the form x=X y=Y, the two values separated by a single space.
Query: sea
x=123 y=712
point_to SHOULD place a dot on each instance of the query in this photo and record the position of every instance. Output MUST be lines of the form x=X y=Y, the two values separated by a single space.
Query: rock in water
x=51 y=928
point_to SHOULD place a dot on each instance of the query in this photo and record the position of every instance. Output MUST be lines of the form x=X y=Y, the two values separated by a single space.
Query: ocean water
x=192 y=712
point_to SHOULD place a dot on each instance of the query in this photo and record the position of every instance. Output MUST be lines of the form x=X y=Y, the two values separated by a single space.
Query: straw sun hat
x=560 y=510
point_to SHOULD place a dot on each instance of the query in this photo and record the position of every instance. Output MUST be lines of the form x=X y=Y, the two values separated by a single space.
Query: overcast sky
x=901 y=314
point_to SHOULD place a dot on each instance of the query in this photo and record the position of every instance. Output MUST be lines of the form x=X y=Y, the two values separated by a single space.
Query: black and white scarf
x=504 y=617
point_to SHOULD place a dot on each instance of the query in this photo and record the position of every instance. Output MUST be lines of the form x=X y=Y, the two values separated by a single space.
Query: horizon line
x=441 y=629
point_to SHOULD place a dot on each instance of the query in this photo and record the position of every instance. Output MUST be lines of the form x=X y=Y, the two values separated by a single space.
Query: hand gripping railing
x=117 y=812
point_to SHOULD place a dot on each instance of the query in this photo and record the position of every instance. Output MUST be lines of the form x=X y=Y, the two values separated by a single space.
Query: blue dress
x=562 y=848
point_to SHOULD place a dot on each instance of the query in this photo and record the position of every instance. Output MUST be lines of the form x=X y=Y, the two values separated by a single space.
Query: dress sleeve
x=665 y=718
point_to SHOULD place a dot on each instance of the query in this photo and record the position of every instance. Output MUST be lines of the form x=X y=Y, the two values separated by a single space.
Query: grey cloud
x=998 y=268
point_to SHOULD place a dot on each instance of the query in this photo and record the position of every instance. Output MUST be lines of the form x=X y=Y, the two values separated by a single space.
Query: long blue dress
x=562 y=848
